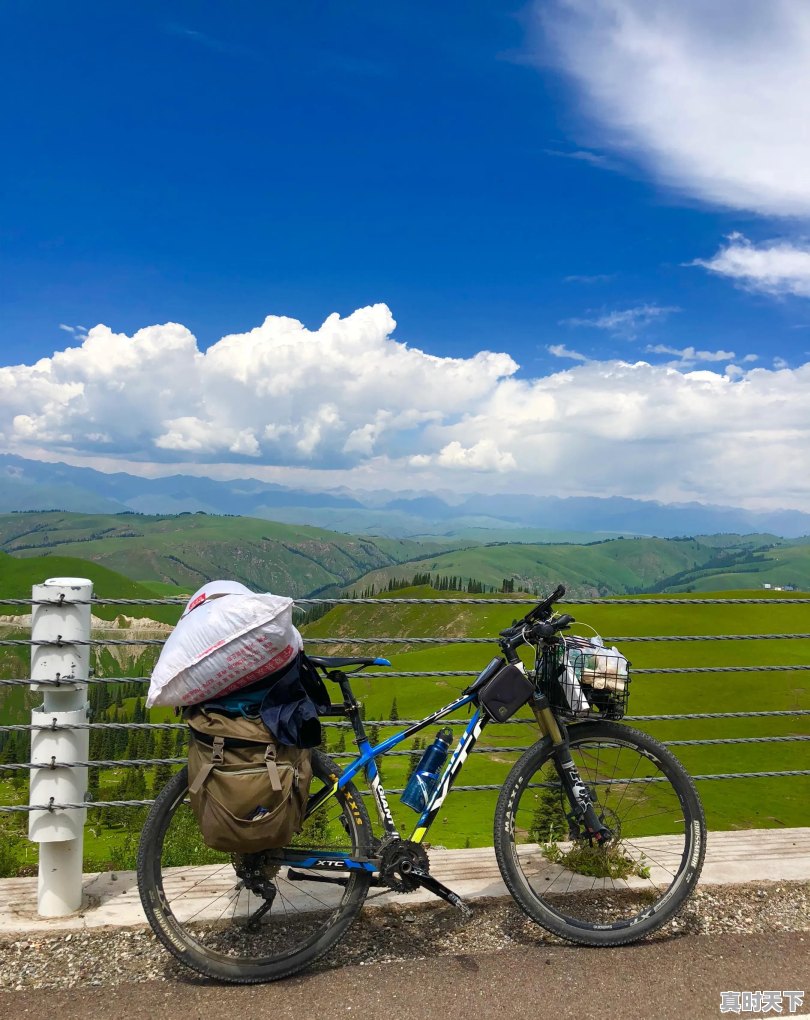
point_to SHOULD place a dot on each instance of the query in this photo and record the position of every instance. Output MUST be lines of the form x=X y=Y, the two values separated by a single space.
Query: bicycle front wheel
x=248 y=918
x=615 y=893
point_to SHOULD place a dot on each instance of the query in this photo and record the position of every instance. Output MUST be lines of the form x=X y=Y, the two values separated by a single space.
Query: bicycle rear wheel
x=601 y=895
x=205 y=906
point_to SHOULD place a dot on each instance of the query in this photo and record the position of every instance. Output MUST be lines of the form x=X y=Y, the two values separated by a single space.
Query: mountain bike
x=599 y=832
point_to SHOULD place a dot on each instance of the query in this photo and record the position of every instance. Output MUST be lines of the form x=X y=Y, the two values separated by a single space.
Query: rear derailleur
x=256 y=873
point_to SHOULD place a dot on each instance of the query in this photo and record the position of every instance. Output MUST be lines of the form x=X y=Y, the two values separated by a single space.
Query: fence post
x=60 y=833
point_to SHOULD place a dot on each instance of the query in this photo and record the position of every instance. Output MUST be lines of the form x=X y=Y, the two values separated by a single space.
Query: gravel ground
x=110 y=957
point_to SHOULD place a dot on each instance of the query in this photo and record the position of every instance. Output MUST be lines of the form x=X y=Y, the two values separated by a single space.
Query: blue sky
x=504 y=177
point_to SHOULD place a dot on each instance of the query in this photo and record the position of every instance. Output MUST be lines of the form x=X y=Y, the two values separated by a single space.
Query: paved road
x=675 y=979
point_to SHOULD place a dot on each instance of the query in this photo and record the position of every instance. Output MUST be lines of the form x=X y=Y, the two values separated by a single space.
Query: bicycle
x=599 y=832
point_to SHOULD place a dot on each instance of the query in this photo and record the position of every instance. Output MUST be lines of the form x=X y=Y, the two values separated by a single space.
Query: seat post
x=350 y=702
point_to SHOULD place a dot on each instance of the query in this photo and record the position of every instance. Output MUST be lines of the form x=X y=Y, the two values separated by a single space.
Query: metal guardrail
x=60 y=646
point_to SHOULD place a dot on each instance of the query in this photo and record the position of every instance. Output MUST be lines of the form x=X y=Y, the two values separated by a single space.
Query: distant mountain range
x=37 y=485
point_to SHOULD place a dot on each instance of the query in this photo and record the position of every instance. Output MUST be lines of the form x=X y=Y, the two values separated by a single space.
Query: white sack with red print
x=227 y=638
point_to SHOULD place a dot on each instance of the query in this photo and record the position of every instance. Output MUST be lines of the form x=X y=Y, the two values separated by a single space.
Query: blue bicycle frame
x=366 y=761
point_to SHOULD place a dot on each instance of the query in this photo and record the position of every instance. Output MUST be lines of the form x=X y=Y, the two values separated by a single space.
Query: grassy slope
x=17 y=577
x=622 y=565
x=729 y=803
x=733 y=803
x=189 y=549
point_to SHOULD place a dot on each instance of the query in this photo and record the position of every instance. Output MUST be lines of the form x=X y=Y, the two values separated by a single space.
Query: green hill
x=619 y=566
x=187 y=550
x=17 y=577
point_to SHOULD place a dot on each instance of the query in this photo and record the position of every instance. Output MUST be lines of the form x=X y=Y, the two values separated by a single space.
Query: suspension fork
x=583 y=812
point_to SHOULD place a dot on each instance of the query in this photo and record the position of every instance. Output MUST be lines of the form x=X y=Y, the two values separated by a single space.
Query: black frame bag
x=505 y=693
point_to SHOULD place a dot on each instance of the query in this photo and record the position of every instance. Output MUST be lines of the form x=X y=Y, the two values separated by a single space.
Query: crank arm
x=438 y=889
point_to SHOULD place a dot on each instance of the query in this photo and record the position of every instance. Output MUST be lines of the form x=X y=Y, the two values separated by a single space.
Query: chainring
x=392 y=857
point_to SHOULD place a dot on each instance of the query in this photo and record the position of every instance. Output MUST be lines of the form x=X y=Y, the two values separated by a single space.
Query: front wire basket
x=582 y=678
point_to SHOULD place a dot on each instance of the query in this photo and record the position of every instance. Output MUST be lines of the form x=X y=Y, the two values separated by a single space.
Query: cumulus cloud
x=280 y=393
x=625 y=322
x=712 y=98
x=777 y=267
x=348 y=404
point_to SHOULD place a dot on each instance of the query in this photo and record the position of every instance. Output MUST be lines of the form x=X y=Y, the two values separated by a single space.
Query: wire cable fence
x=134 y=729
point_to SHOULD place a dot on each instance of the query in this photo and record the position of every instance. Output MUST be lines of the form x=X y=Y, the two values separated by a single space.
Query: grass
x=730 y=803
x=467 y=818
x=595 y=861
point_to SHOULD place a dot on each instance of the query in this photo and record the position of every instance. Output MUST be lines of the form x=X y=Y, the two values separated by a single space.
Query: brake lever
x=545 y=631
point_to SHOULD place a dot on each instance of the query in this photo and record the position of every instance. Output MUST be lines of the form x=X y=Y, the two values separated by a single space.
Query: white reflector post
x=59 y=623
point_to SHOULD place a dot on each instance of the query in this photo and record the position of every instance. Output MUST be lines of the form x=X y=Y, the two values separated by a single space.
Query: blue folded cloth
x=292 y=704
x=289 y=703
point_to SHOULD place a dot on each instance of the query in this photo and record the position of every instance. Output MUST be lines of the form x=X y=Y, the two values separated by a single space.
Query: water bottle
x=425 y=776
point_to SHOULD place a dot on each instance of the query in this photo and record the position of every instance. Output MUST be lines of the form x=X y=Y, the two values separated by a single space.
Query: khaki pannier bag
x=248 y=792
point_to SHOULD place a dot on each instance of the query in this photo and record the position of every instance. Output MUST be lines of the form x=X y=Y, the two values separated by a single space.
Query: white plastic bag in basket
x=602 y=668
x=227 y=637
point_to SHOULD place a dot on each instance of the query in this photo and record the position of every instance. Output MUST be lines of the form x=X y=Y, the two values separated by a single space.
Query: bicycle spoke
x=571 y=884
x=211 y=908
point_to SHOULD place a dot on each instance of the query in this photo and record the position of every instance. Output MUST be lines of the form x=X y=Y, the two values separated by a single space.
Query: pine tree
x=415 y=757
x=163 y=773
x=548 y=823
x=393 y=715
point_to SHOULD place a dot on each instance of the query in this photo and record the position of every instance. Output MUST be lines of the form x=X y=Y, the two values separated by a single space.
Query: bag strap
x=272 y=768
x=217 y=758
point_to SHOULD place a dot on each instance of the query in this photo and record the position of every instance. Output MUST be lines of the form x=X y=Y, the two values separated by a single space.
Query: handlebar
x=535 y=626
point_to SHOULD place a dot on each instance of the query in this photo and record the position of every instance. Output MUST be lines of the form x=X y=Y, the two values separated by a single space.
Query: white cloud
x=483 y=456
x=280 y=393
x=689 y=353
x=626 y=322
x=713 y=98
x=777 y=267
x=348 y=404
x=561 y=351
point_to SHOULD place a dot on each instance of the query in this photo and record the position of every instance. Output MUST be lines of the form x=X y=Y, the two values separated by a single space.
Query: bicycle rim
x=206 y=906
x=602 y=894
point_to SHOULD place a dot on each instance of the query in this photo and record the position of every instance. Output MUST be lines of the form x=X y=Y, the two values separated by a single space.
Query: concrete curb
x=111 y=898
